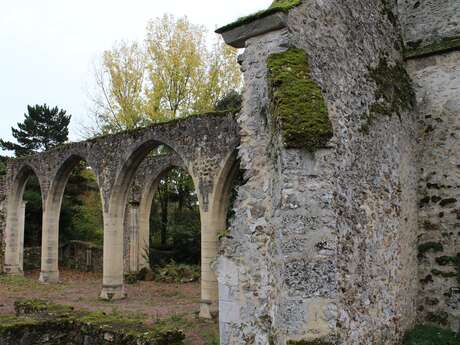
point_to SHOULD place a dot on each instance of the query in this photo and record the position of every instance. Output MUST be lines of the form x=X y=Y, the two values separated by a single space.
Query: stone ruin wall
x=425 y=22
x=432 y=29
x=323 y=245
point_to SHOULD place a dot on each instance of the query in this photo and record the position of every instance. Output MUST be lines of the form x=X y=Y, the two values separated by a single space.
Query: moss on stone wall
x=430 y=335
x=42 y=318
x=452 y=261
x=299 y=108
x=277 y=6
x=418 y=49
x=308 y=342
x=430 y=246
x=393 y=94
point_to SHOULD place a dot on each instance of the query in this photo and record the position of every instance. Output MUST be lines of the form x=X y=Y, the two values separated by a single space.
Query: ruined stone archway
x=203 y=144
x=148 y=177
x=14 y=239
x=51 y=215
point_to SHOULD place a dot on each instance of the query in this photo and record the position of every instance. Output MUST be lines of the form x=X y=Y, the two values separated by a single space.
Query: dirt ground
x=152 y=300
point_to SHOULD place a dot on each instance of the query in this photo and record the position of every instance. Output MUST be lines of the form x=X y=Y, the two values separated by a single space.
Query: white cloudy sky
x=48 y=46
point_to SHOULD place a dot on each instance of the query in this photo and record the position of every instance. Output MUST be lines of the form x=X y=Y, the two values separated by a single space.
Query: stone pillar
x=12 y=240
x=133 y=229
x=112 y=281
x=21 y=223
x=210 y=227
x=144 y=238
x=50 y=245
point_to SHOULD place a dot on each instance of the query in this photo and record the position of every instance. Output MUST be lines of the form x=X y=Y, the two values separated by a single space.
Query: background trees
x=42 y=129
x=177 y=71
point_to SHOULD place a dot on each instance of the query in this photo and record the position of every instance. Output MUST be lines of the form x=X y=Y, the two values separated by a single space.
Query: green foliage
x=3 y=166
x=298 y=104
x=130 y=278
x=231 y=101
x=276 y=6
x=177 y=273
x=81 y=213
x=431 y=335
x=175 y=221
x=33 y=215
x=42 y=129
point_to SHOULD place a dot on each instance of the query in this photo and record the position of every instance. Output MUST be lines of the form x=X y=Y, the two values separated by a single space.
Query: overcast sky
x=48 y=46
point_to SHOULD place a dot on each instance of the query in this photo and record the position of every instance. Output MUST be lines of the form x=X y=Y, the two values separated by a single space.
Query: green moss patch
x=25 y=307
x=393 y=94
x=41 y=318
x=308 y=342
x=444 y=45
x=451 y=261
x=430 y=246
x=431 y=335
x=298 y=105
x=277 y=6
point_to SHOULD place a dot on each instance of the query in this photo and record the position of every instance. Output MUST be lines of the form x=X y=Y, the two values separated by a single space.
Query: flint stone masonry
x=323 y=244
x=428 y=21
x=437 y=82
x=352 y=242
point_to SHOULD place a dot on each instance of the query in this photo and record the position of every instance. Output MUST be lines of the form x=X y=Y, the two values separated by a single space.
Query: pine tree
x=42 y=129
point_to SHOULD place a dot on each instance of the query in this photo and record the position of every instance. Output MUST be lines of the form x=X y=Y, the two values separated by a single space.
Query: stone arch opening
x=145 y=211
x=114 y=221
x=16 y=218
x=52 y=216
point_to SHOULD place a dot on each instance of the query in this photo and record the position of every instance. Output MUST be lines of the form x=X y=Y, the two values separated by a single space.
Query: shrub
x=177 y=273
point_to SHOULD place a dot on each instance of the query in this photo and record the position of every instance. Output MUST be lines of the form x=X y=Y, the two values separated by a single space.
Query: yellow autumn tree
x=119 y=79
x=174 y=73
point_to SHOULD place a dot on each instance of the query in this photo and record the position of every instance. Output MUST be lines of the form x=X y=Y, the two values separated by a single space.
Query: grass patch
x=41 y=317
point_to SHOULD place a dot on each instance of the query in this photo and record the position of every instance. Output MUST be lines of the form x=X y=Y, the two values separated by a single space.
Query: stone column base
x=13 y=270
x=112 y=293
x=49 y=277
x=208 y=310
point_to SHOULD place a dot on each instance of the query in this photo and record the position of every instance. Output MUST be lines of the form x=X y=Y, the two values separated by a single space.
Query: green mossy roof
x=441 y=46
x=277 y=6
x=299 y=108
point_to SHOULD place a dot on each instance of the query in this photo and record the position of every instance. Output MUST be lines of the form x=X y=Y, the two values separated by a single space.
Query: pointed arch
x=14 y=231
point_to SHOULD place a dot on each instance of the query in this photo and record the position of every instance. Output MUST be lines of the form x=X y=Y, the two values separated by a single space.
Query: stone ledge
x=237 y=37
x=438 y=47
